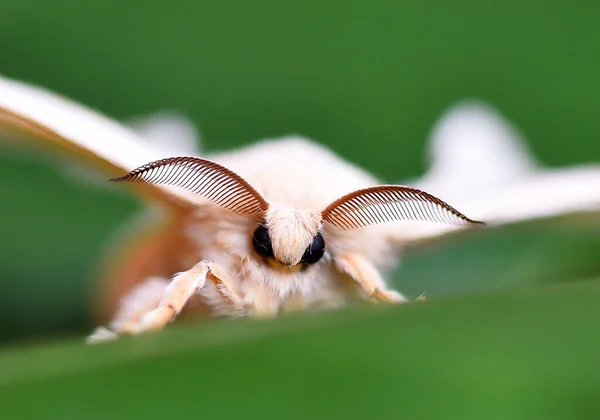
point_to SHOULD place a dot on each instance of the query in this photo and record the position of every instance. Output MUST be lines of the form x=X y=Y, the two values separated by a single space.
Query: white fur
x=292 y=179
x=292 y=231
x=296 y=200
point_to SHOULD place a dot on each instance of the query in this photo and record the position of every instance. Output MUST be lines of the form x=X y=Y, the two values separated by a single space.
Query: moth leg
x=367 y=277
x=133 y=306
x=165 y=308
x=180 y=290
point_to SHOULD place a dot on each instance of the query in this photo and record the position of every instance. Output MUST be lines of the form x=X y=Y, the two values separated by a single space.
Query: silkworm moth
x=279 y=225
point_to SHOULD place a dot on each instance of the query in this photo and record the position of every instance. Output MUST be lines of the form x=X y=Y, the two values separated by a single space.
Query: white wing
x=169 y=131
x=85 y=135
x=481 y=165
x=473 y=147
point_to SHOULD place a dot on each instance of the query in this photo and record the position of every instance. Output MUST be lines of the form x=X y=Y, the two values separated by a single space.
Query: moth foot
x=101 y=335
x=388 y=296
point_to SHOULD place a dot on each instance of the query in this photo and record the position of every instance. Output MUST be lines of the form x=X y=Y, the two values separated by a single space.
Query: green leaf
x=529 y=354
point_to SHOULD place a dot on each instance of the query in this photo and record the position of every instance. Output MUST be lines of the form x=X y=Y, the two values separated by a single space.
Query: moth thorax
x=292 y=231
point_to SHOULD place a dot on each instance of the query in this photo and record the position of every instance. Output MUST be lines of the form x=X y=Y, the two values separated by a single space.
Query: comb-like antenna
x=206 y=178
x=387 y=203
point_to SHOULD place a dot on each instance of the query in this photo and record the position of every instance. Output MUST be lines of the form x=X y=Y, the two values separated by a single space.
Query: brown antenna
x=387 y=203
x=203 y=177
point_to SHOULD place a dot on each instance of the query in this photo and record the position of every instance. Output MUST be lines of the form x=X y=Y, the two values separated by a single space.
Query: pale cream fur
x=308 y=176
x=298 y=178
x=292 y=231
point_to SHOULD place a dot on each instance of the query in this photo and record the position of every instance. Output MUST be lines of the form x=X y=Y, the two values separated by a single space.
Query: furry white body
x=297 y=175
x=221 y=240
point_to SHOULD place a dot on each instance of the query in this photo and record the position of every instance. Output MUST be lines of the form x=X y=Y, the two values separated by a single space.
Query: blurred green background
x=368 y=79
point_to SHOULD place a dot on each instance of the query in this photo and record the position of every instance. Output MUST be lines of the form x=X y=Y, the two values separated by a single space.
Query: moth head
x=287 y=237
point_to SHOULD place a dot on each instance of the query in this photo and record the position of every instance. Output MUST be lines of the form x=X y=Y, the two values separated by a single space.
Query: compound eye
x=315 y=250
x=261 y=240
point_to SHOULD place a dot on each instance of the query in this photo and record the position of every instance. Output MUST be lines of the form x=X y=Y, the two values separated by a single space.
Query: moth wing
x=546 y=196
x=473 y=148
x=33 y=117
x=168 y=130
x=481 y=165
x=40 y=118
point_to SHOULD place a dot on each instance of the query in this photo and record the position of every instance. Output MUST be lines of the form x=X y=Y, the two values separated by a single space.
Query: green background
x=368 y=79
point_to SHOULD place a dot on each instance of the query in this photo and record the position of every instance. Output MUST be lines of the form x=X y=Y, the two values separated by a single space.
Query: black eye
x=315 y=251
x=262 y=241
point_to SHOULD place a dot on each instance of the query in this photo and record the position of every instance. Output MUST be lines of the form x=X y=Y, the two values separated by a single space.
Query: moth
x=283 y=224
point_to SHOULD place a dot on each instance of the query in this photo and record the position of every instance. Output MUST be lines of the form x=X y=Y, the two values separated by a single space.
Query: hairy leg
x=367 y=277
x=150 y=309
